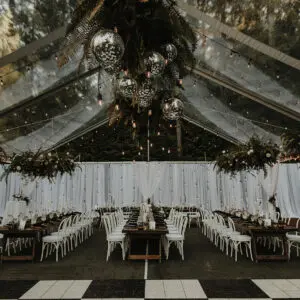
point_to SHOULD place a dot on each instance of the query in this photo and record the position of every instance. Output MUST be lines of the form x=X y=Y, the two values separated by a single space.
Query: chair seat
x=175 y=237
x=240 y=238
x=52 y=238
x=116 y=237
x=228 y=232
x=293 y=237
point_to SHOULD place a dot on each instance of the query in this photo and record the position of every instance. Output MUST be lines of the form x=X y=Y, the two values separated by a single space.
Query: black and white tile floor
x=151 y=289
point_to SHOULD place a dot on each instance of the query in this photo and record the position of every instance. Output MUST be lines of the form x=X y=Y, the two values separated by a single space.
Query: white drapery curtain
x=148 y=176
x=170 y=184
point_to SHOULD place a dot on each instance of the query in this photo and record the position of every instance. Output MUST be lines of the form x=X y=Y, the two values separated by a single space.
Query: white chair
x=238 y=240
x=177 y=238
x=56 y=240
x=114 y=238
x=293 y=240
x=194 y=216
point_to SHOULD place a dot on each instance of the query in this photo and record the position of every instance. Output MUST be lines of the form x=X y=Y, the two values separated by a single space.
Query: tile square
x=285 y=285
x=77 y=289
x=270 y=289
x=240 y=288
x=295 y=282
x=14 y=289
x=58 y=289
x=154 y=289
x=193 y=289
x=38 y=290
x=174 y=289
x=116 y=289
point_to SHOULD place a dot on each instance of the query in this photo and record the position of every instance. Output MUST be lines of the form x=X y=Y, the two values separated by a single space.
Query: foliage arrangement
x=291 y=147
x=146 y=45
x=254 y=155
x=40 y=164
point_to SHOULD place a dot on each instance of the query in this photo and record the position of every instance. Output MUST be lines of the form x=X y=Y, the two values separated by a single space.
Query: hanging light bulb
x=1 y=82
x=123 y=153
x=249 y=63
x=163 y=148
x=148 y=74
x=139 y=153
x=151 y=145
x=169 y=151
x=141 y=148
x=149 y=112
x=158 y=133
x=134 y=125
x=231 y=54
x=100 y=99
x=117 y=107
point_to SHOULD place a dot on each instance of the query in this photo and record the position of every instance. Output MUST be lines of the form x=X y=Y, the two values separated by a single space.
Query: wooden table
x=257 y=231
x=145 y=237
x=36 y=232
x=26 y=233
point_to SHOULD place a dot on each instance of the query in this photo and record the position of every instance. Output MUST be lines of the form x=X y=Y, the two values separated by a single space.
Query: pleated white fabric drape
x=168 y=184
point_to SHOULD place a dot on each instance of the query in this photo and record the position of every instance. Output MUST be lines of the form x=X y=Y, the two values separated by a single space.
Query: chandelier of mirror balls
x=108 y=49
x=173 y=109
x=145 y=94
x=127 y=87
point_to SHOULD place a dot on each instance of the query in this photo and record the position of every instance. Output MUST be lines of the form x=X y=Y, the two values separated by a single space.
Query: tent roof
x=228 y=93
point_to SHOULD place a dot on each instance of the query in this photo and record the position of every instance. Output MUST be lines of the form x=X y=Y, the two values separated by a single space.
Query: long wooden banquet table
x=34 y=232
x=258 y=231
x=145 y=243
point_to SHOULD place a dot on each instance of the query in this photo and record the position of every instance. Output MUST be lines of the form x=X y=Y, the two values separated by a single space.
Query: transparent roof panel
x=34 y=19
x=42 y=105
x=275 y=23
x=45 y=122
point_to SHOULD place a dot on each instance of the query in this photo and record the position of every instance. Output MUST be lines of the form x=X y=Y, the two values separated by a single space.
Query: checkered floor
x=151 y=289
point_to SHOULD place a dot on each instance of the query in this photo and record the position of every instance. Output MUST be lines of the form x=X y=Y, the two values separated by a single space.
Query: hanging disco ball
x=154 y=63
x=114 y=69
x=145 y=94
x=108 y=47
x=127 y=87
x=169 y=51
x=173 y=109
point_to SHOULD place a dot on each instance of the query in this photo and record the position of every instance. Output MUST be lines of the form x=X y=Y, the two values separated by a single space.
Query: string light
x=100 y=99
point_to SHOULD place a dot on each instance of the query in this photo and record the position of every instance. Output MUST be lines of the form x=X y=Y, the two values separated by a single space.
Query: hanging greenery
x=145 y=45
x=291 y=144
x=291 y=148
x=254 y=155
x=40 y=164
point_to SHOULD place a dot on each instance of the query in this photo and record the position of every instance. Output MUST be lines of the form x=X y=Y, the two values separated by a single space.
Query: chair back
x=231 y=224
x=183 y=225
x=297 y=223
x=106 y=225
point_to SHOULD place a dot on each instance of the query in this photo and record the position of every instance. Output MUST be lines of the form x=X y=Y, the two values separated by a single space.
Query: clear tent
x=47 y=106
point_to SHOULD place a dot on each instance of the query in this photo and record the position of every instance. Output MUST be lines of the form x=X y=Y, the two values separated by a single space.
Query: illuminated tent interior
x=235 y=91
x=244 y=88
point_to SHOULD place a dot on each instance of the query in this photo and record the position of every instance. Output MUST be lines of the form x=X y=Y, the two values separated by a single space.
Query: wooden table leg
x=159 y=250
x=254 y=249
x=33 y=250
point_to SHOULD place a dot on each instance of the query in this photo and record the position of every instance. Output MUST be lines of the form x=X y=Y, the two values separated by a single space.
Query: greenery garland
x=254 y=155
x=39 y=164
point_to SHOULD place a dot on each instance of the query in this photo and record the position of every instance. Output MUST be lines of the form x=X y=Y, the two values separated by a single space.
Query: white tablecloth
x=14 y=209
